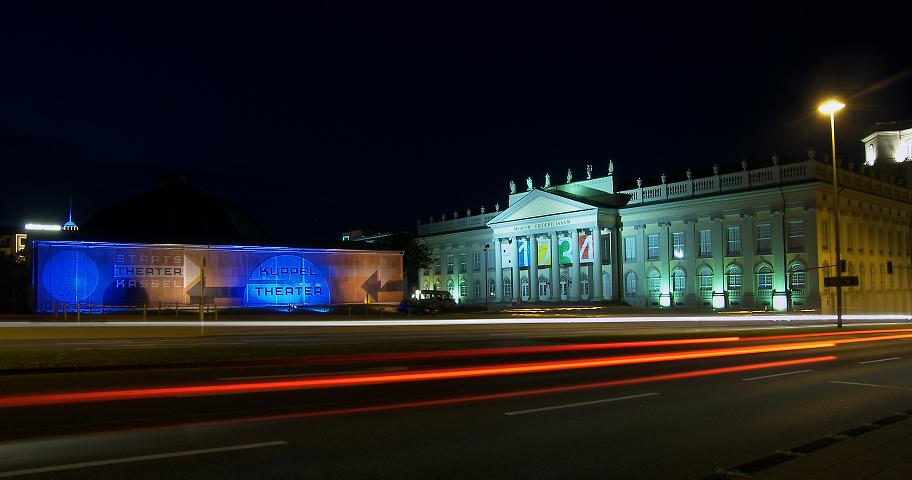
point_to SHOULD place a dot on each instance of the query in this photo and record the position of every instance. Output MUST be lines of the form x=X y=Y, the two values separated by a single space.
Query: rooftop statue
x=547 y=180
x=529 y=184
x=588 y=172
x=512 y=186
x=569 y=176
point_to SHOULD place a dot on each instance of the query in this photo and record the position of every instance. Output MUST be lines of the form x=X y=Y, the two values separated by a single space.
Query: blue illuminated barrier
x=101 y=277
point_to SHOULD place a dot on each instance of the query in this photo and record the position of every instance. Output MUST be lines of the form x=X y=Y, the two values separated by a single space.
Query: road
x=676 y=418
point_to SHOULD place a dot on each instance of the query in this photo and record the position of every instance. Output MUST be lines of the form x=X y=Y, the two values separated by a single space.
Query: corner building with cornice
x=751 y=236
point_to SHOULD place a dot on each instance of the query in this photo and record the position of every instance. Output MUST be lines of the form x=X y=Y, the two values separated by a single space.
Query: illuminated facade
x=126 y=275
x=723 y=239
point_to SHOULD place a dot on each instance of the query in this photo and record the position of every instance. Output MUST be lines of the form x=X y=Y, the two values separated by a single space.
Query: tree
x=416 y=256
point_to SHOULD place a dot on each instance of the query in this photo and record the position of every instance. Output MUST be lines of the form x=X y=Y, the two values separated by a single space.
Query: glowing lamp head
x=718 y=301
x=665 y=301
x=780 y=303
x=830 y=107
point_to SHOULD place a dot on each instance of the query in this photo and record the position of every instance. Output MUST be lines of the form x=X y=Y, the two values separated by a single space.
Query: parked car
x=430 y=301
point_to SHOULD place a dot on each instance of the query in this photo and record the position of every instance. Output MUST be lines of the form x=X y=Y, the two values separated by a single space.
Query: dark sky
x=320 y=117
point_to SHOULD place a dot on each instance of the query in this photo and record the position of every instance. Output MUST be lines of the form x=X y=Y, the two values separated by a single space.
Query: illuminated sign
x=536 y=226
x=287 y=279
x=585 y=248
x=38 y=226
x=544 y=252
x=132 y=275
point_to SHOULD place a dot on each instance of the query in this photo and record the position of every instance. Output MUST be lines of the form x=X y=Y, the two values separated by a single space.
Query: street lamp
x=830 y=107
x=485 y=290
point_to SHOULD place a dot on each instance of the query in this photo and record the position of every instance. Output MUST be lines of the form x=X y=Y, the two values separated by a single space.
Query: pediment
x=538 y=204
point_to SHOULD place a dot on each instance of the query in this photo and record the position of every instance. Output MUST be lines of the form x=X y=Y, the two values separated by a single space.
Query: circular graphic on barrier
x=286 y=280
x=70 y=276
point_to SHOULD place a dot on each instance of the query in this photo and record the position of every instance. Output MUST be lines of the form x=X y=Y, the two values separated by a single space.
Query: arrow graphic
x=373 y=286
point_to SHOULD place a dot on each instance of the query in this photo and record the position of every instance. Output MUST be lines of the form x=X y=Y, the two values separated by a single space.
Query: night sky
x=321 y=117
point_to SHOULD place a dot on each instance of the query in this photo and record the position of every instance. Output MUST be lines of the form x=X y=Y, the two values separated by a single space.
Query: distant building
x=12 y=241
x=720 y=239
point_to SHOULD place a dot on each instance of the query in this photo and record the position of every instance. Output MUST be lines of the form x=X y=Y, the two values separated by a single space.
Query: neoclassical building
x=757 y=235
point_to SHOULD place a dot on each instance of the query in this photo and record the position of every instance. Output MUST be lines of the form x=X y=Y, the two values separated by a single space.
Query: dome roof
x=174 y=212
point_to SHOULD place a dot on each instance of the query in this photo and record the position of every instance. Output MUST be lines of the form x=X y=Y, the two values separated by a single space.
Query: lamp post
x=485 y=289
x=830 y=107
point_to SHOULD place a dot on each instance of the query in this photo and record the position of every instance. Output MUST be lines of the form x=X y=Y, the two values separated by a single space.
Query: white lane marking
x=580 y=404
x=141 y=458
x=774 y=375
x=891 y=387
x=881 y=360
x=366 y=370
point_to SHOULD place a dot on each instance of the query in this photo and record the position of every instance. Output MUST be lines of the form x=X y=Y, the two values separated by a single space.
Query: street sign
x=836 y=281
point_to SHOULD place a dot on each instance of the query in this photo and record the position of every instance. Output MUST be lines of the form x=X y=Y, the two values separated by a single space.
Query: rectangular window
x=630 y=249
x=652 y=252
x=476 y=262
x=734 y=241
x=462 y=263
x=764 y=238
x=491 y=261
x=706 y=246
x=677 y=241
x=796 y=236
x=437 y=266
x=450 y=264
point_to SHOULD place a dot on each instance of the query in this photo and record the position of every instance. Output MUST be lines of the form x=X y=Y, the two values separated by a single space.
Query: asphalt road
x=673 y=428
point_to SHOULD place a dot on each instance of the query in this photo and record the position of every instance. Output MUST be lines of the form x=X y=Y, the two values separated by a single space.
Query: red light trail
x=370 y=379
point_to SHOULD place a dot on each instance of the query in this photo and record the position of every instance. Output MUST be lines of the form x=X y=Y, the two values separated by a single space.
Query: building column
x=533 y=268
x=517 y=293
x=617 y=262
x=573 y=293
x=555 y=268
x=498 y=272
x=597 y=264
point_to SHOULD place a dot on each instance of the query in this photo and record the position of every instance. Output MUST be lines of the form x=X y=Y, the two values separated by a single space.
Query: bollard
x=349 y=311
x=56 y=309
x=144 y=313
x=159 y=309
x=176 y=305
x=215 y=312
x=78 y=313
x=64 y=312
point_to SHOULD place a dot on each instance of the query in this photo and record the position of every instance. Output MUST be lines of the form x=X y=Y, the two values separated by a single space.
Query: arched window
x=584 y=285
x=543 y=286
x=427 y=285
x=861 y=277
x=450 y=285
x=797 y=278
x=873 y=277
x=477 y=288
x=463 y=289
x=654 y=283
x=679 y=281
x=705 y=278
x=871 y=154
x=630 y=284
x=765 y=279
x=733 y=278
x=437 y=286
x=508 y=288
x=492 y=288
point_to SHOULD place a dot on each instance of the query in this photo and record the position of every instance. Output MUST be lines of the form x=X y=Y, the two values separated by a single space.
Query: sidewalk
x=869 y=452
